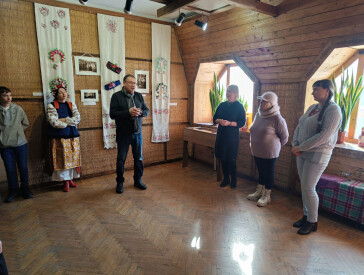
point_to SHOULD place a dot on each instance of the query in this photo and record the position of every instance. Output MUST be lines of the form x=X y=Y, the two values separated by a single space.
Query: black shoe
x=307 y=228
x=225 y=182
x=300 y=222
x=233 y=184
x=26 y=193
x=140 y=185
x=12 y=195
x=119 y=188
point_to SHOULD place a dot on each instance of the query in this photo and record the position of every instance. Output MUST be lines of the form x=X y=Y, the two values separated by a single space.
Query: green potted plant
x=244 y=102
x=216 y=95
x=346 y=97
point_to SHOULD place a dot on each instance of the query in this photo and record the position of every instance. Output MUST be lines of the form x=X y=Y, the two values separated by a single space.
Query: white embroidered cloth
x=54 y=32
x=112 y=48
x=161 y=55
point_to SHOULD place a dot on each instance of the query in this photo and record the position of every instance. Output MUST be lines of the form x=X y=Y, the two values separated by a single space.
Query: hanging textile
x=161 y=55
x=112 y=62
x=55 y=50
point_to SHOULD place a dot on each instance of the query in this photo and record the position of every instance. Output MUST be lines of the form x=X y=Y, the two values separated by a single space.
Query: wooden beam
x=172 y=7
x=289 y=5
x=255 y=6
x=198 y=10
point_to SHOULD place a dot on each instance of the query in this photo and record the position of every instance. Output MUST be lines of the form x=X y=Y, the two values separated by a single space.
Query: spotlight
x=180 y=19
x=83 y=2
x=128 y=6
x=201 y=24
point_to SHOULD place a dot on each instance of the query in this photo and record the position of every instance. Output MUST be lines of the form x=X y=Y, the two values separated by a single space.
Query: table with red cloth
x=342 y=196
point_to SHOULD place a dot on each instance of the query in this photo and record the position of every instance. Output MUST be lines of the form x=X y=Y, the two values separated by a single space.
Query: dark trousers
x=266 y=171
x=18 y=155
x=3 y=267
x=229 y=169
x=136 y=142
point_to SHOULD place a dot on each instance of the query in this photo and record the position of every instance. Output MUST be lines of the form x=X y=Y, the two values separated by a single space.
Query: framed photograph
x=142 y=80
x=86 y=65
x=89 y=96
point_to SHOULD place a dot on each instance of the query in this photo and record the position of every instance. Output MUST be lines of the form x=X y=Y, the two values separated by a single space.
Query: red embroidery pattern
x=61 y=13
x=44 y=11
x=55 y=24
x=111 y=25
x=161 y=111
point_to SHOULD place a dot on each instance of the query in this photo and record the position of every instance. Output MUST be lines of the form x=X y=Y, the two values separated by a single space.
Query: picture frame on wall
x=89 y=96
x=142 y=81
x=85 y=65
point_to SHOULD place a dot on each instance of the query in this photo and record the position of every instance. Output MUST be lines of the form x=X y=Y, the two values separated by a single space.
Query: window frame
x=360 y=72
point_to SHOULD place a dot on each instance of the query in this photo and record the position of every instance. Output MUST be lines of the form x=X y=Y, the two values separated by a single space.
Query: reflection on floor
x=184 y=223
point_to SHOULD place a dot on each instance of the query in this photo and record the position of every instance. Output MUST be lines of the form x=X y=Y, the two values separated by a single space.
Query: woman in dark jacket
x=230 y=115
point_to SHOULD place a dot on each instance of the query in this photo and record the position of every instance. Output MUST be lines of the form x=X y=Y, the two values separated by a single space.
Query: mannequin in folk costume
x=63 y=116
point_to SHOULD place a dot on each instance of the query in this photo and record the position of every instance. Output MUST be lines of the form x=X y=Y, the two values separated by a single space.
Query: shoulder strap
x=55 y=104
x=69 y=105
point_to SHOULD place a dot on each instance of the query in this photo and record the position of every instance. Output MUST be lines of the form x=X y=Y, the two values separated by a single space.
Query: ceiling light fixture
x=180 y=19
x=83 y=2
x=201 y=24
x=128 y=5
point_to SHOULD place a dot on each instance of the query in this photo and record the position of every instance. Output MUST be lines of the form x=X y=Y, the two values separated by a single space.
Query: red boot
x=72 y=184
x=66 y=187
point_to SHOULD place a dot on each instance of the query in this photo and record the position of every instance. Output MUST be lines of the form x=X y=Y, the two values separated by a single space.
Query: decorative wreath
x=57 y=83
x=53 y=53
x=162 y=64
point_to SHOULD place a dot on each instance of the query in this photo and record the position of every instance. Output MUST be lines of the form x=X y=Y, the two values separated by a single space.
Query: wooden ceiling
x=255 y=5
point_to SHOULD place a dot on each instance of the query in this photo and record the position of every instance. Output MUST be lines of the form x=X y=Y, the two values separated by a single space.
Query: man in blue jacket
x=127 y=107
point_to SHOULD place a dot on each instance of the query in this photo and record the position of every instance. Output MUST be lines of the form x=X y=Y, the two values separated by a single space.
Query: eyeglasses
x=130 y=82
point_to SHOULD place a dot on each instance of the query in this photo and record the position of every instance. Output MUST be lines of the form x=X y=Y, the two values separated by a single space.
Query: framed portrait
x=85 y=65
x=89 y=96
x=142 y=81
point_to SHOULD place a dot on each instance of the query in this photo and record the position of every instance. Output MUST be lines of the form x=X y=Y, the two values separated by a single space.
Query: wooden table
x=201 y=136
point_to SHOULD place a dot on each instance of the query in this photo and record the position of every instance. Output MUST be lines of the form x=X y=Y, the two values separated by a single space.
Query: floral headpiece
x=57 y=83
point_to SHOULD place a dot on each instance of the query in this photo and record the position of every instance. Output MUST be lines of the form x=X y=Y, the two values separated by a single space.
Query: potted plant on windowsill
x=244 y=102
x=346 y=97
x=216 y=95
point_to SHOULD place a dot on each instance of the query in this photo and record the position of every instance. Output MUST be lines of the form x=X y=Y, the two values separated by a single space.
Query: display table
x=202 y=136
x=342 y=196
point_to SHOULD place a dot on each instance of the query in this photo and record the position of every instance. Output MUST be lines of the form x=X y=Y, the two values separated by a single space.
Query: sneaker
x=257 y=194
x=265 y=199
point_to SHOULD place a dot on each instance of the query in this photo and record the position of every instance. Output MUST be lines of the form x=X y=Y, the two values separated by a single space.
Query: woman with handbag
x=63 y=116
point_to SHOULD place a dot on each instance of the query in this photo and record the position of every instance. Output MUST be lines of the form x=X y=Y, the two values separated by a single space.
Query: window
x=239 y=78
x=354 y=66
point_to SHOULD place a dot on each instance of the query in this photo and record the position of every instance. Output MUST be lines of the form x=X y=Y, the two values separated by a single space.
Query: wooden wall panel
x=283 y=52
x=20 y=71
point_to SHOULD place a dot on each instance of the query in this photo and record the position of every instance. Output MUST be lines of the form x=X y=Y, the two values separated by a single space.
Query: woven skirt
x=66 y=153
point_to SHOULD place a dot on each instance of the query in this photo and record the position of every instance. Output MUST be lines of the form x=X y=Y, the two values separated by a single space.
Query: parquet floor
x=184 y=223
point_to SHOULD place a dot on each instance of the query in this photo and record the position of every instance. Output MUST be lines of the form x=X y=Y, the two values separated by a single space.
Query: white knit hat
x=270 y=97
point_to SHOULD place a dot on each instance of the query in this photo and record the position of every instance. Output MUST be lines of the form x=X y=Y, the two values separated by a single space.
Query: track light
x=83 y=2
x=128 y=6
x=180 y=19
x=201 y=24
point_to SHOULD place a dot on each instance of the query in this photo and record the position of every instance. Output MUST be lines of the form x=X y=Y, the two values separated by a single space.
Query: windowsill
x=350 y=149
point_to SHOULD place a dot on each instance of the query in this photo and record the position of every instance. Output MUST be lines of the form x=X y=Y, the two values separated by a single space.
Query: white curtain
x=161 y=55
x=54 y=38
x=112 y=49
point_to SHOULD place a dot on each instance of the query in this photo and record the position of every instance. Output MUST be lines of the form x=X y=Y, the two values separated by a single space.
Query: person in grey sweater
x=13 y=145
x=313 y=141
x=268 y=133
